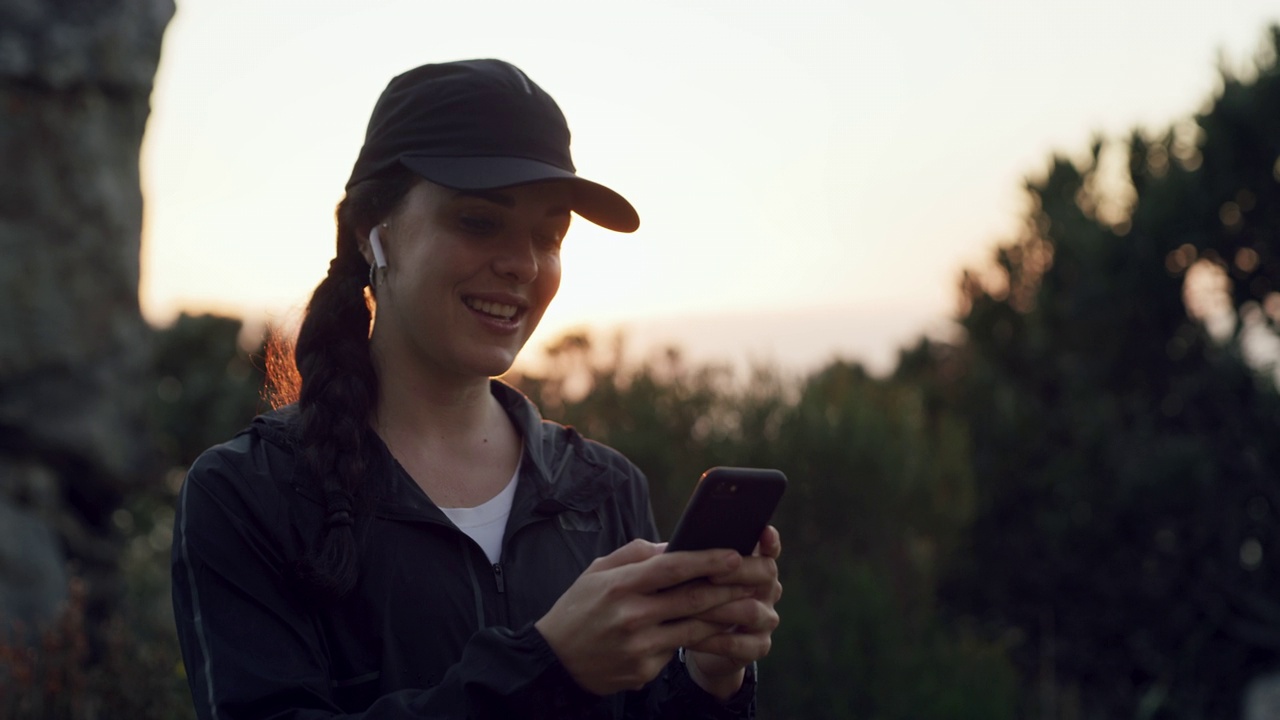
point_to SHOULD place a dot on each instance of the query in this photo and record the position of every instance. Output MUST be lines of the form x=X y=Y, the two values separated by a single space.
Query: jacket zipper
x=497 y=568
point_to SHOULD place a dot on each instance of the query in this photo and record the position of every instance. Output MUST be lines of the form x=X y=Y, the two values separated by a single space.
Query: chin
x=495 y=363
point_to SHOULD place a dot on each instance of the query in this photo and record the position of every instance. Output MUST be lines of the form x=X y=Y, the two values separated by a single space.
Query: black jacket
x=431 y=630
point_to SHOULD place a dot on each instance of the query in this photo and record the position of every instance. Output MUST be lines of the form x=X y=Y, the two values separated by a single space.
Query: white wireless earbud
x=375 y=244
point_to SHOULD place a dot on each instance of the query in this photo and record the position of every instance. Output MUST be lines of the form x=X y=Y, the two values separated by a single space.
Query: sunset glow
x=838 y=161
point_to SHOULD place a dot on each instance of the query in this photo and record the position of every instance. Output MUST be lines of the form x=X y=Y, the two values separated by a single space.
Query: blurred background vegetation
x=1068 y=510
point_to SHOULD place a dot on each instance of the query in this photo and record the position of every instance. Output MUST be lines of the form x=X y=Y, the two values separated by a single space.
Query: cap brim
x=593 y=201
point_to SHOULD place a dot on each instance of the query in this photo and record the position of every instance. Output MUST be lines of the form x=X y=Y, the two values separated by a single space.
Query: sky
x=812 y=177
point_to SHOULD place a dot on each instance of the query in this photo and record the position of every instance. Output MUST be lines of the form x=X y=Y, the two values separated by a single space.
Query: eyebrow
x=508 y=201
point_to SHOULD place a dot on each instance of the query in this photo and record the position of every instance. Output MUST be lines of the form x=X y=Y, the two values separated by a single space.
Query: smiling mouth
x=492 y=309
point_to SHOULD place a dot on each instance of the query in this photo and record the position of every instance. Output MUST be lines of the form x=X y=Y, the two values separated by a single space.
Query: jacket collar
x=568 y=471
x=564 y=469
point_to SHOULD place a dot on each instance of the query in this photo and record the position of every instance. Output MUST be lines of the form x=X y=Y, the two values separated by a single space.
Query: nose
x=517 y=260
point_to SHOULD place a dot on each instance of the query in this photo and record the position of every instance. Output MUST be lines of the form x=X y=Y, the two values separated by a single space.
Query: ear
x=365 y=243
x=362 y=244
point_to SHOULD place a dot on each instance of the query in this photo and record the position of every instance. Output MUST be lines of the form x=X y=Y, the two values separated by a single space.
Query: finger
x=769 y=593
x=691 y=599
x=686 y=632
x=668 y=570
x=742 y=648
x=770 y=544
x=747 y=616
x=754 y=570
x=637 y=550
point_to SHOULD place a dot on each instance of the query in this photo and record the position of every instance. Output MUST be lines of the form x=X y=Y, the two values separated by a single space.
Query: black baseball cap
x=480 y=125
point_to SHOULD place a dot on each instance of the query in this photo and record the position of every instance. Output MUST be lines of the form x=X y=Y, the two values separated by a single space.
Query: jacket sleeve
x=674 y=694
x=252 y=648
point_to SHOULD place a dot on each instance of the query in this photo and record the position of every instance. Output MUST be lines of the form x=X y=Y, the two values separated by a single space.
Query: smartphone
x=729 y=508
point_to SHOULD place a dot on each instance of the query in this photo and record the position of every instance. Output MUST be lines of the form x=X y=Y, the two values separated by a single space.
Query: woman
x=410 y=539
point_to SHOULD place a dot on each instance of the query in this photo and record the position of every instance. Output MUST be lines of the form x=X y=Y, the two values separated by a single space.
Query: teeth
x=492 y=308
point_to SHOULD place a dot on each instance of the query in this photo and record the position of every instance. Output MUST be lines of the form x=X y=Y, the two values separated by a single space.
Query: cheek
x=549 y=276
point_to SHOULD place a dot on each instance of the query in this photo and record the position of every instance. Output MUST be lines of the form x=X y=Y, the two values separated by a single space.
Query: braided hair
x=337 y=388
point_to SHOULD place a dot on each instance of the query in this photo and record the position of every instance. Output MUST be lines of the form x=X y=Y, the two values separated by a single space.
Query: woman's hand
x=718 y=663
x=620 y=622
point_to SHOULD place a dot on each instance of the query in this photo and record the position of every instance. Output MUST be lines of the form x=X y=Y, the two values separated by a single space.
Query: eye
x=548 y=240
x=479 y=223
x=550 y=235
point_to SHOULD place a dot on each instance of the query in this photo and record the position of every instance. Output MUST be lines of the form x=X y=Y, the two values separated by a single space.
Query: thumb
x=635 y=551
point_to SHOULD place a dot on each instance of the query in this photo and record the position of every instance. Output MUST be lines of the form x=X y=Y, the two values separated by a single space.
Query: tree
x=1123 y=423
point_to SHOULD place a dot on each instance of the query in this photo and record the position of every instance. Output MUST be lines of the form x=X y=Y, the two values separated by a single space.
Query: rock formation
x=75 y=87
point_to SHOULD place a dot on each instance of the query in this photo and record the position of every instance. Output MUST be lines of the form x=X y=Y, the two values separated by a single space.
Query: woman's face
x=468 y=277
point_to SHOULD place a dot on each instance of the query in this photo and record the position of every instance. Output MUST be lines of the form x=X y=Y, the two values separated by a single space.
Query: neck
x=449 y=434
x=428 y=408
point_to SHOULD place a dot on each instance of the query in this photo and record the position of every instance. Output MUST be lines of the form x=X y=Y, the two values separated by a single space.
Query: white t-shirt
x=486 y=523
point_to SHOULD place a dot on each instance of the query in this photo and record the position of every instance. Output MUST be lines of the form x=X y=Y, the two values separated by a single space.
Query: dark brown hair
x=332 y=379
